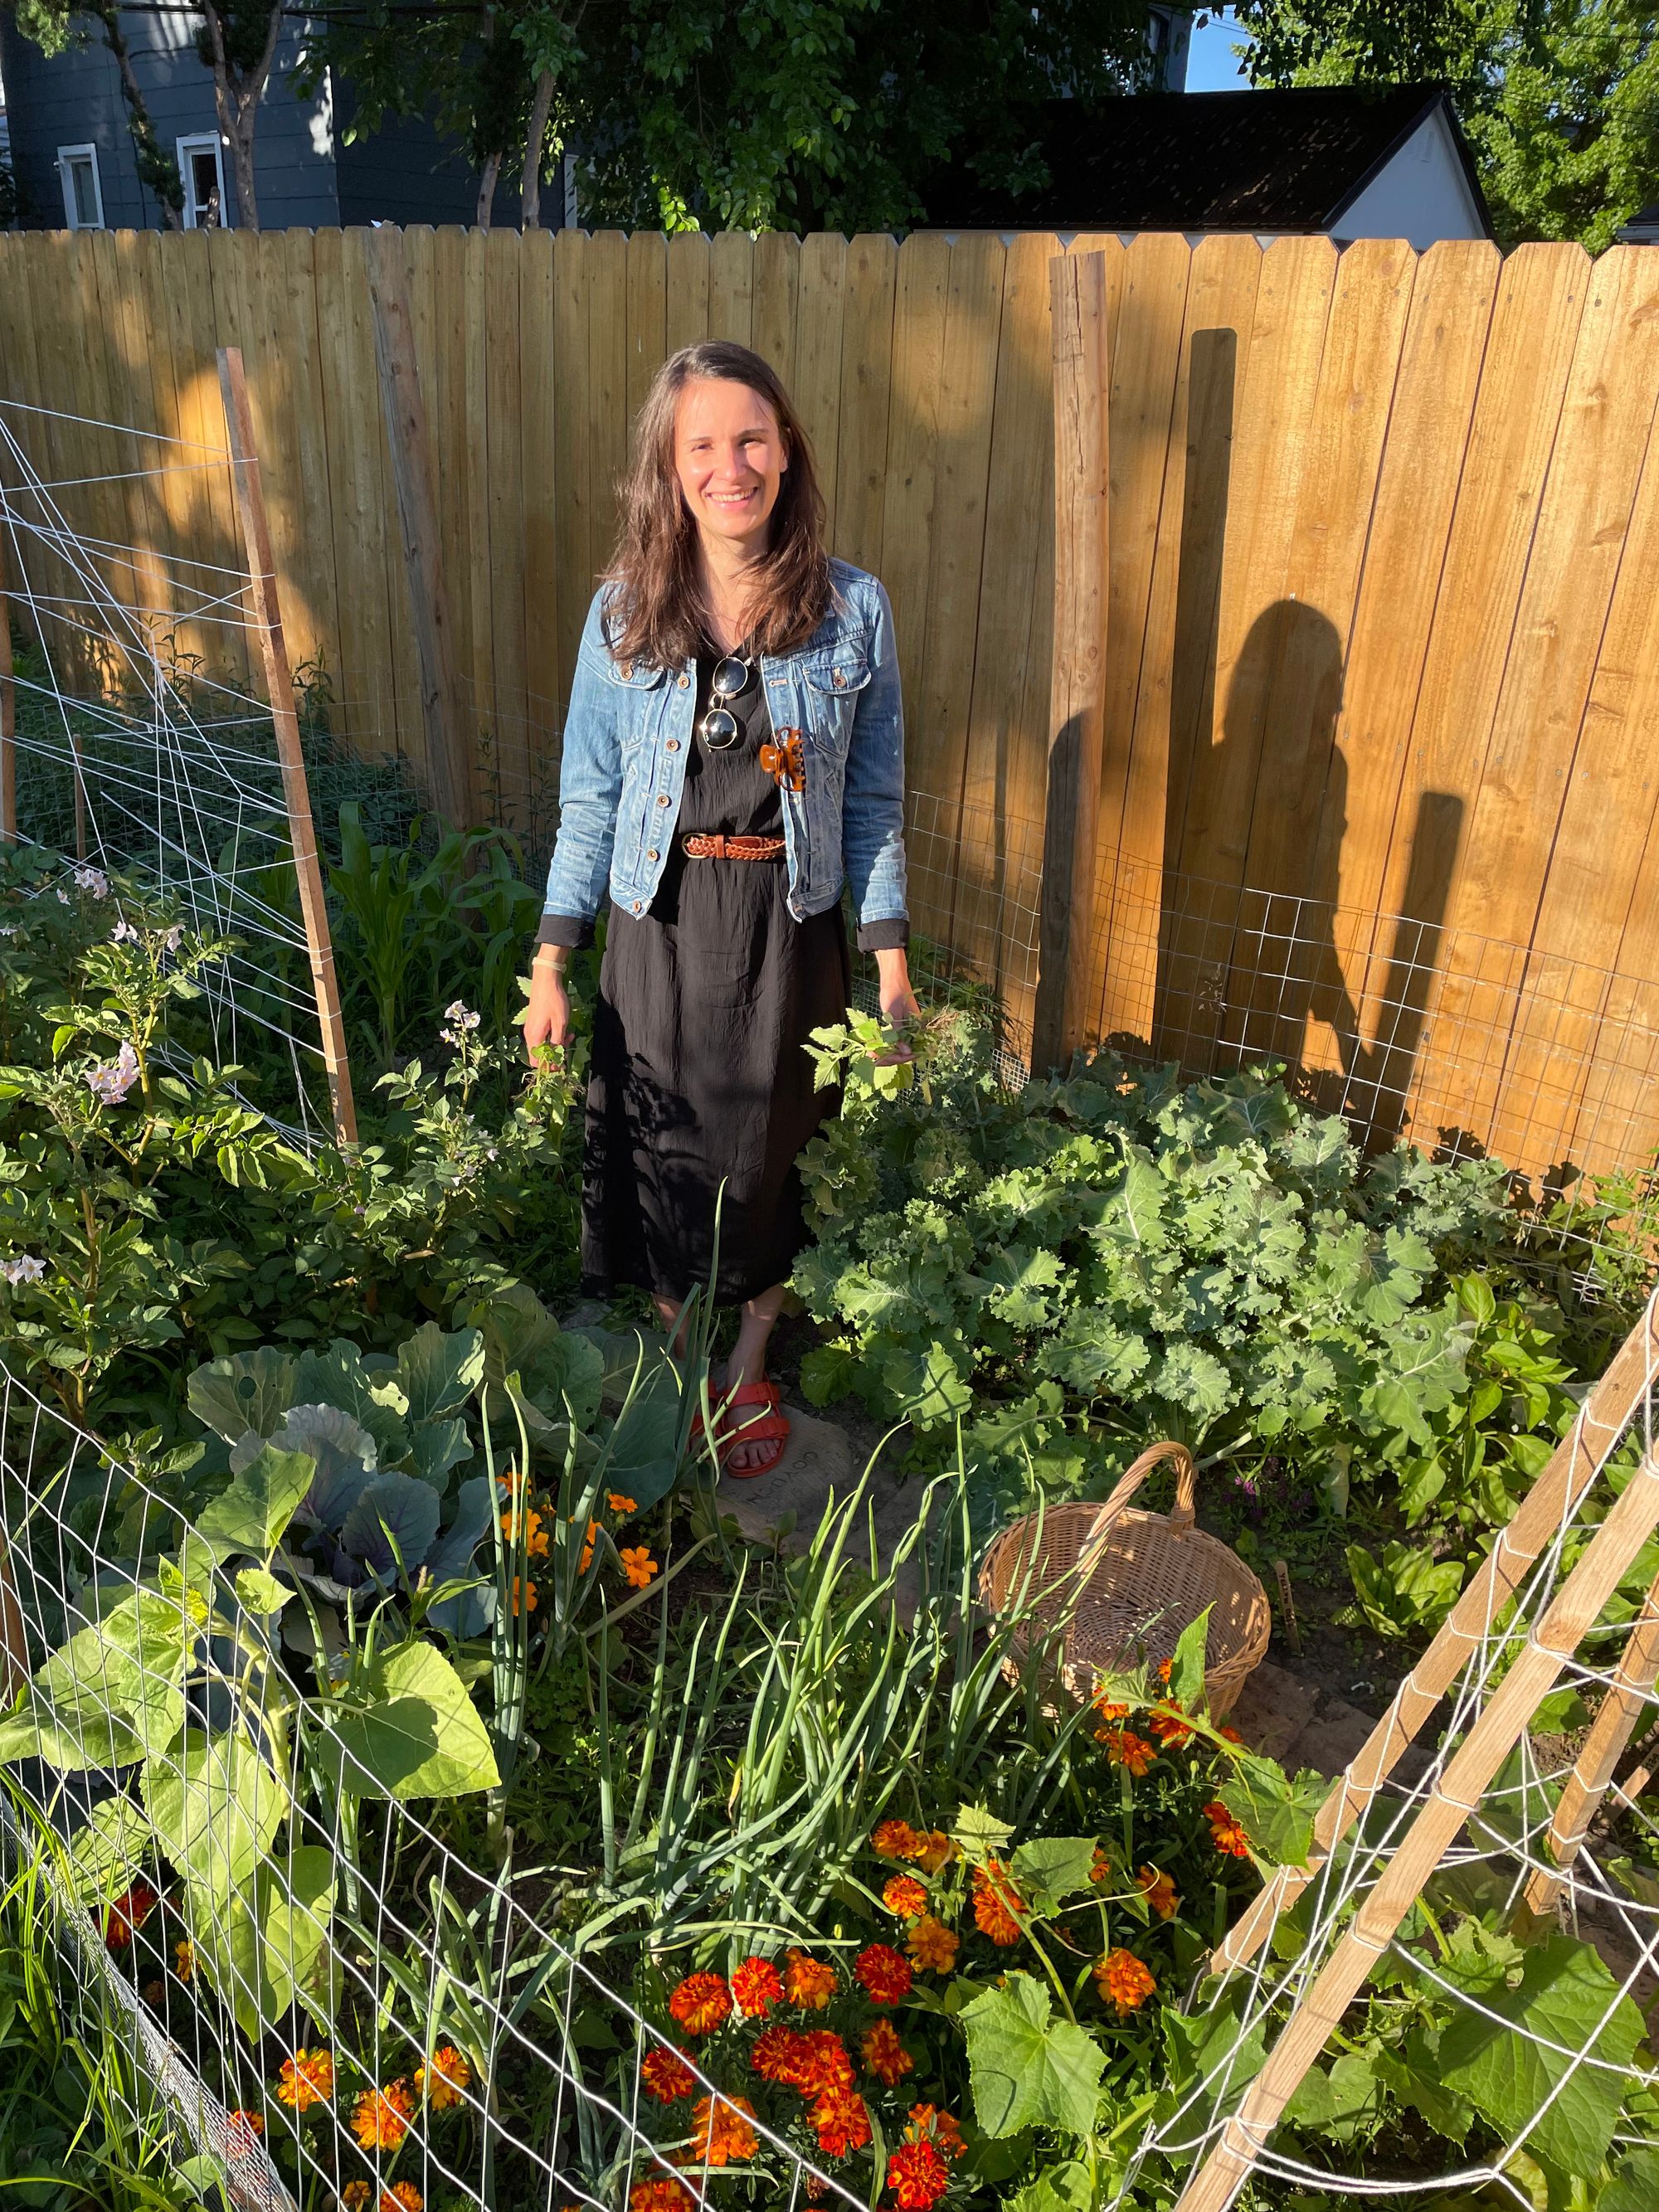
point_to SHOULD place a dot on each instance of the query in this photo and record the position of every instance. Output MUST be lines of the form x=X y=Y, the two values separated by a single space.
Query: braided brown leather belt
x=720 y=847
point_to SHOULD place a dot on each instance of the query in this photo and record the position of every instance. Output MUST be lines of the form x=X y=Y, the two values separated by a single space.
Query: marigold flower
x=1170 y=1732
x=917 y=2176
x=808 y=1982
x=1166 y=1667
x=1225 y=1831
x=666 y=2075
x=523 y=1601
x=905 y=1896
x=1125 y=1749
x=245 y=2129
x=895 y=1839
x=306 y=2079
x=1102 y=1868
x=885 y=2056
x=758 y=1986
x=442 y=2081
x=618 y=1504
x=883 y=1973
x=994 y=1896
x=184 y=1961
x=720 y=2133
x=402 y=2197
x=355 y=2196
x=1122 y=1981
x=1232 y=1734
x=934 y=1850
x=777 y=2052
x=128 y=1914
x=1110 y=1712
x=927 y=2121
x=841 y=2120
x=932 y=1946
x=380 y=2118
x=822 y=2063
x=660 y=2195
x=535 y=1535
x=1159 y=1890
x=638 y=1566
x=701 y=2004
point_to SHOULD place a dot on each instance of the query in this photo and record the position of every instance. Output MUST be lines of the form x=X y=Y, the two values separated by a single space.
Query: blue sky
x=1210 y=66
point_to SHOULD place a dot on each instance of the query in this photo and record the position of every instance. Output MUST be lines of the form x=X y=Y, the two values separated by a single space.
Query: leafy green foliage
x=1028 y=2070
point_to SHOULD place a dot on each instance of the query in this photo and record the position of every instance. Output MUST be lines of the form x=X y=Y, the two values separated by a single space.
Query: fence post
x=405 y=411
x=279 y=682
x=8 y=714
x=1078 y=687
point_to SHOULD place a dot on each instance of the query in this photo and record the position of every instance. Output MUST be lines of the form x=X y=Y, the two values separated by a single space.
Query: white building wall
x=1422 y=195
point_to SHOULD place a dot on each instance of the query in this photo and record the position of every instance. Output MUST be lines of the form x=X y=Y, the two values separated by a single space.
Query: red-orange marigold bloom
x=917 y=2176
x=1225 y=1831
x=1232 y=1734
x=701 y=2004
x=128 y=1914
x=1102 y=1868
x=720 y=2133
x=821 y=2062
x=777 y=2052
x=1170 y=1732
x=758 y=1986
x=1109 y=1711
x=1125 y=1749
x=841 y=2121
x=380 y=2118
x=904 y=1895
x=883 y=1973
x=660 y=2195
x=1159 y=1890
x=402 y=2197
x=809 y=1982
x=1122 y=1981
x=895 y=1839
x=306 y=2079
x=245 y=2128
x=932 y=1946
x=927 y=2120
x=933 y=1849
x=994 y=1896
x=666 y=2075
x=885 y=2056
x=443 y=2082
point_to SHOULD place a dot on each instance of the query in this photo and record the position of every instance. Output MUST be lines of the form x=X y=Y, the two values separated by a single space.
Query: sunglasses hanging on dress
x=719 y=726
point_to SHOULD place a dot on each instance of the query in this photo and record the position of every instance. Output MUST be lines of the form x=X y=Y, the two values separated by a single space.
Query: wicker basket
x=1137 y=1578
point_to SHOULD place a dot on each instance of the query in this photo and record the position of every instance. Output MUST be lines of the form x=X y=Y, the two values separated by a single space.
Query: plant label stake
x=279 y=682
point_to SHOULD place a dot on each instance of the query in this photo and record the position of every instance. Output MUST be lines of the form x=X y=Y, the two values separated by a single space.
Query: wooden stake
x=1078 y=687
x=1569 y=1472
x=401 y=403
x=7 y=716
x=1575 y=1606
x=279 y=682
x=1604 y=1746
x=14 y=1636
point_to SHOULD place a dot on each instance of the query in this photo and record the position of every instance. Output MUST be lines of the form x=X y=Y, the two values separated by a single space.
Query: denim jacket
x=629 y=730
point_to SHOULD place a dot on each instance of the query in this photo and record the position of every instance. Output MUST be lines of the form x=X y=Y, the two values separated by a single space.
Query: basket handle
x=1180 y=1514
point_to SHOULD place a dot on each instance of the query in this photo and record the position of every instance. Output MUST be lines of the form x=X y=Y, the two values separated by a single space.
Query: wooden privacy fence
x=1382 y=715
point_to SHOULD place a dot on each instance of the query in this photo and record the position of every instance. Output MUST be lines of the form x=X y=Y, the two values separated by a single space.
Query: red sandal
x=769 y=1427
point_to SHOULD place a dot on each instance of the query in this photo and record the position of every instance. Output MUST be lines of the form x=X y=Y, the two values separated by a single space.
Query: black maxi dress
x=698 y=1078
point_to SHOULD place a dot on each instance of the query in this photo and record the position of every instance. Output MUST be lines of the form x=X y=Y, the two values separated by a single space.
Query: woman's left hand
x=898 y=1004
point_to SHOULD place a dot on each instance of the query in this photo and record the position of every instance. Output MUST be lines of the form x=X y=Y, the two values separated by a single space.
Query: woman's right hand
x=547 y=1017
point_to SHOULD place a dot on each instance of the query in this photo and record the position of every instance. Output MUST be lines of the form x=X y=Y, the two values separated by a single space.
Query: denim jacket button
x=654 y=855
x=839 y=680
x=637 y=905
x=625 y=669
x=662 y=798
x=684 y=680
x=672 y=746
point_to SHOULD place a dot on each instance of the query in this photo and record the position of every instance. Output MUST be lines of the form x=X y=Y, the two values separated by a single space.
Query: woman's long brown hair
x=653 y=594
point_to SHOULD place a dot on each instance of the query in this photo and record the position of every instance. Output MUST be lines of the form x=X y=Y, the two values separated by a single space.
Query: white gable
x=1420 y=194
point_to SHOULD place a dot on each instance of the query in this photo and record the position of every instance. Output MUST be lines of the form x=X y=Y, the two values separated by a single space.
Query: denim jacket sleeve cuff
x=571 y=929
x=884 y=936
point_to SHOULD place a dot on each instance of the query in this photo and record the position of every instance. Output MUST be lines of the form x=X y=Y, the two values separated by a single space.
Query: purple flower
x=23 y=1269
x=460 y=1018
x=110 y=1081
x=124 y=933
x=175 y=937
x=93 y=880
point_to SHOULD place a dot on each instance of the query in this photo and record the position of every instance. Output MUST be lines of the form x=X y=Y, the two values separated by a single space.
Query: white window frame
x=199 y=142
x=65 y=155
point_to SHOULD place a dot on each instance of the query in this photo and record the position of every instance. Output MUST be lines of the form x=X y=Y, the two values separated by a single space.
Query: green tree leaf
x=1026 y=2070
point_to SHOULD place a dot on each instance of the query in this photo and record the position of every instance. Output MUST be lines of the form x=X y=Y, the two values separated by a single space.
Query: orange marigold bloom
x=904 y=1895
x=758 y=1986
x=660 y=2195
x=895 y=1839
x=306 y=2079
x=1170 y=1732
x=885 y=2056
x=184 y=1961
x=917 y=2176
x=1110 y=1712
x=1159 y=1891
x=1165 y=1669
x=883 y=1973
x=355 y=2196
x=932 y=1946
x=618 y=1504
x=994 y=1897
x=927 y=2120
x=720 y=2133
x=821 y=2064
x=638 y=1566
x=1102 y=1868
x=777 y=2053
x=535 y=1536
x=808 y=1982
x=1125 y=1749
x=666 y=2075
x=442 y=2081
x=933 y=1849
x=1122 y=1981
x=701 y=2004
x=128 y=1914
x=402 y=2197
x=841 y=2120
x=1232 y=1734
x=1225 y=1832
x=380 y=2118
x=245 y=2129
x=523 y=1598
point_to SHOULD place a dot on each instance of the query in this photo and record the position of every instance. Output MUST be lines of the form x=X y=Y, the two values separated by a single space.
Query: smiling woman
x=732 y=756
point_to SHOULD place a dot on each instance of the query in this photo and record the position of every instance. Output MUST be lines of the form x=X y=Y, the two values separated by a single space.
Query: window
x=83 y=199
x=203 y=173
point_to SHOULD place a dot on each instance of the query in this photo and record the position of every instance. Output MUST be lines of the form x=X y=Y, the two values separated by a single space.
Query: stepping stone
x=787 y=1504
x=1272 y=1709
